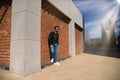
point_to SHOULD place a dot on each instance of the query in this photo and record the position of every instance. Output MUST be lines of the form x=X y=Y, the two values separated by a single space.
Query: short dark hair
x=56 y=27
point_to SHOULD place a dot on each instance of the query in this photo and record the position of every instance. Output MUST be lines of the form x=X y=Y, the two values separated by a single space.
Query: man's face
x=57 y=29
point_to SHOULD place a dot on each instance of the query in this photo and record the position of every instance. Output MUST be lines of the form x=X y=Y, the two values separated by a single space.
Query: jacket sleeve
x=50 y=39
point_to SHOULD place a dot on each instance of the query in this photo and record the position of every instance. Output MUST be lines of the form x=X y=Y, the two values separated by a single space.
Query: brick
x=78 y=41
x=48 y=23
x=5 y=28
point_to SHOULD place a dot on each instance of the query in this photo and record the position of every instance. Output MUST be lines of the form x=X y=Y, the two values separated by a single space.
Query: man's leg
x=56 y=55
x=55 y=52
x=52 y=53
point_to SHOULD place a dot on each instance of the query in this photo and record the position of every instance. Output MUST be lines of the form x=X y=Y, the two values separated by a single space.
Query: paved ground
x=81 y=67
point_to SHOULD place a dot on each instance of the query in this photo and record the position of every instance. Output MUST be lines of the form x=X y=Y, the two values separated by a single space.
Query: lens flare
x=118 y=1
x=101 y=12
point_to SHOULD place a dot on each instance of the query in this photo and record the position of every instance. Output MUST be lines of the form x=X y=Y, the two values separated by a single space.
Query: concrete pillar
x=25 y=36
x=72 y=39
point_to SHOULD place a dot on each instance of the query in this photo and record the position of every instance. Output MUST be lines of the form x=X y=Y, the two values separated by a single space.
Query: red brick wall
x=78 y=41
x=48 y=22
x=5 y=27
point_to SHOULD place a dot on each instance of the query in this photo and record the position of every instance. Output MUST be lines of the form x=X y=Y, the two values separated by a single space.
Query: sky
x=97 y=12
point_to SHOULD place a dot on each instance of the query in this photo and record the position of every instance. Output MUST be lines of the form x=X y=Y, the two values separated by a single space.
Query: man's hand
x=51 y=46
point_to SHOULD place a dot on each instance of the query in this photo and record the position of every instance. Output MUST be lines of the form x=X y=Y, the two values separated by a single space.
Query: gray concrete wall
x=69 y=9
x=72 y=39
x=25 y=47
x=25 y=36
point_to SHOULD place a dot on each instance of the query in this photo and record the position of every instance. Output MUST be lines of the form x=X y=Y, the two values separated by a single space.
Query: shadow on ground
x=110 y=52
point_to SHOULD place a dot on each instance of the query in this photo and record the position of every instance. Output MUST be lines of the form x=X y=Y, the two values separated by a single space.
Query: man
x=53 y=40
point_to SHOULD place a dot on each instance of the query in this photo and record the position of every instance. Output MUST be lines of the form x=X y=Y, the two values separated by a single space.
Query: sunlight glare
x=118 y=1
